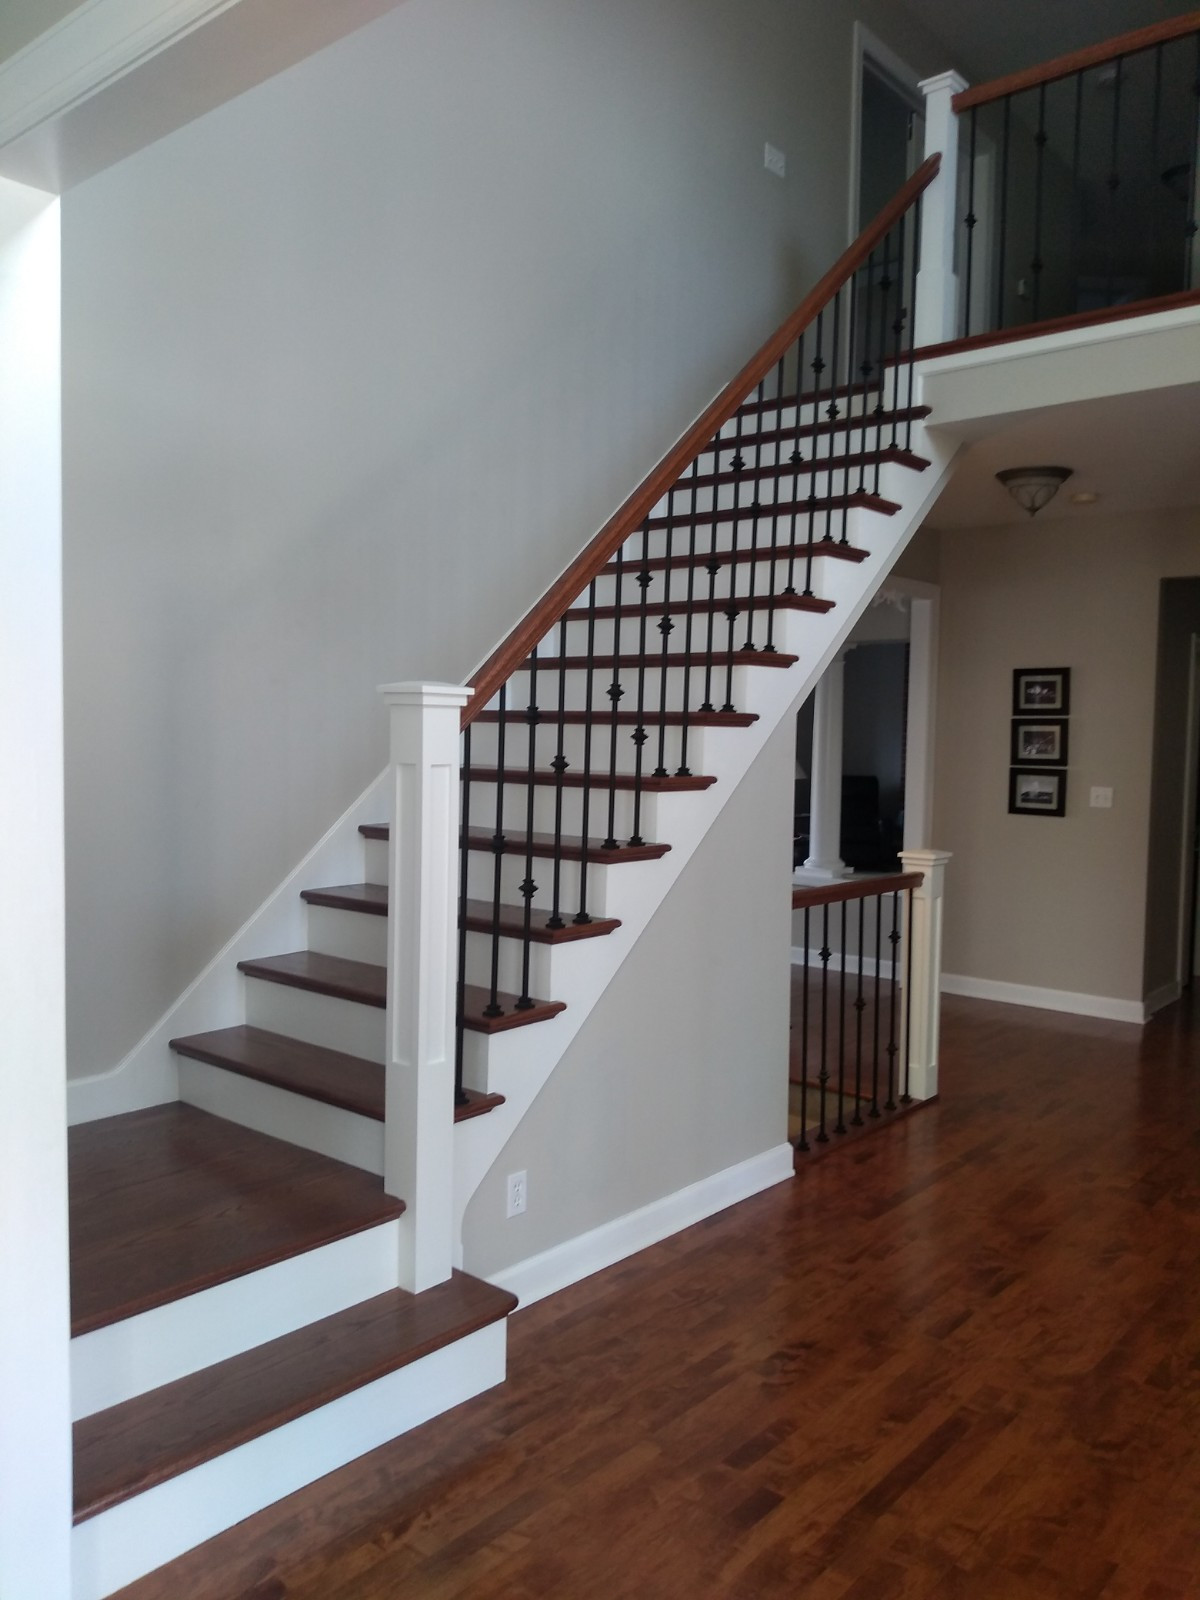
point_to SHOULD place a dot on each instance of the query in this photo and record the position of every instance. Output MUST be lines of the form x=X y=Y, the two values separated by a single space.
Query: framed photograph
x=1042 y=740
x=1041 y=690
x=1037 y=793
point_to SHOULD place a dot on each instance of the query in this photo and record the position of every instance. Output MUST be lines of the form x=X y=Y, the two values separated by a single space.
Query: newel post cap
x=433 y=696
x=943 y=83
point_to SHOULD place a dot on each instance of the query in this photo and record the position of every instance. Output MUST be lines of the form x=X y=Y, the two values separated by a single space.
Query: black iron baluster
x=1040 y=138
x=464 y=861
x=866 y=368
x=1003 y=240
x=1189 y=232
x=885 y=289
x=818 y=366
x=878 y=1008
x=859 y=1007
x=686 y=705
x=898 y=326
x=969 y=223
x=1155 y=163
x=840 y=1125
x=665 y=628
x=581 y=917
x=769 y=647
x=493 y=1007
x=851 y=331
x=833 y=411
x=1076 y=194
x=823 y=1073
x=894 y=940
x=754 y=505
x=732 y=613
x=616 y=694
x=559 y=766
x=1113 y=181
x=906 y=1097
x=912 y=323
x=528 y=887
x=639 y=732
x=802 y=1143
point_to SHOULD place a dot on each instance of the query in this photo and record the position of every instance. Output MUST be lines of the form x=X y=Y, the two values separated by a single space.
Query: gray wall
x=682 y=1068
x=1056 y=903
x=353 y=366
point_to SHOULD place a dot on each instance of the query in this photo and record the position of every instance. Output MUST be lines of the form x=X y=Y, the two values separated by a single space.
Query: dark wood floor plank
x=129 y=1448
x=169 y=1201
x=957 y=1360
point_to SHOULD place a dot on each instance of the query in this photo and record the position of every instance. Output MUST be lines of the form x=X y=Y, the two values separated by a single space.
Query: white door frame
x=923 y=599
x=867 y=46
x=1191 y=756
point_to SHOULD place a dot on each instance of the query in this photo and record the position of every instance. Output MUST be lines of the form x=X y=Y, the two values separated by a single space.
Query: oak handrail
x=1095 y=55
x=838 y=889
x=508 y=656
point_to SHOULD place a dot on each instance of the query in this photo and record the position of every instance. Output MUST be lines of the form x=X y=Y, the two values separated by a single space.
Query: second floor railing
x=1077 y=182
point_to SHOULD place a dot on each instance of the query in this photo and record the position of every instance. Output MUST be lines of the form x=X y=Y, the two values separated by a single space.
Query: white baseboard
x=111 y=1550
x=565 y=1264
x=1166 y=995
x=1023 y=994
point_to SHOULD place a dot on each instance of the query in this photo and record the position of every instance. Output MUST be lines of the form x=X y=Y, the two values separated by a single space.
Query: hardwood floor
x=959 y=1360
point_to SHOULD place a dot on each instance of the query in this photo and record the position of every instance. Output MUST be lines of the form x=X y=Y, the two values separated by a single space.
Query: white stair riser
x=481 y=881
x=353 y=935
x=329 y=1130
x=140 y=1353
x=509 y=975
x=652 y=699
x=485 y=746
x=375 y=861
x=545 y=806
x=317 y=1018
x=111 y=1550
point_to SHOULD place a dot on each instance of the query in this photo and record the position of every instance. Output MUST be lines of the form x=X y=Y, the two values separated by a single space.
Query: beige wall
x=1052 y=903
x=682 y=1068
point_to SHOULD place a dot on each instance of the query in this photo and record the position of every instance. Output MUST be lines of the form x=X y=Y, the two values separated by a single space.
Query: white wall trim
x=1024 y=994
x=89 y=48
x=567 y=1263
x=1166 y=995
x=133 y=1538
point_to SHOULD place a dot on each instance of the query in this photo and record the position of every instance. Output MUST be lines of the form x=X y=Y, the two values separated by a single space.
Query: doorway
x=887 y=136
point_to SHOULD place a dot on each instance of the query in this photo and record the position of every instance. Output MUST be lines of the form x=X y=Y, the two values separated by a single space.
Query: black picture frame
x=1041 y=691
x=1037 y=791
x=1039 y=741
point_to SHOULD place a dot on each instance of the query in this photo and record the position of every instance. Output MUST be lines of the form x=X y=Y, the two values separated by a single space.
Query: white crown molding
x=90 y=48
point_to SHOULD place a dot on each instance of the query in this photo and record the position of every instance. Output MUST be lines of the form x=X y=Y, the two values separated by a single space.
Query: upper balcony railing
x=1076 y=187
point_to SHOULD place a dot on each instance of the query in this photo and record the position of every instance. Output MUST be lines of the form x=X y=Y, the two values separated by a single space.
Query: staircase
x=240 y=1328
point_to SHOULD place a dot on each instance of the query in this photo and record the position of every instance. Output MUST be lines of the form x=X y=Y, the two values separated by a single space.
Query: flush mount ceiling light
x=1033 y=487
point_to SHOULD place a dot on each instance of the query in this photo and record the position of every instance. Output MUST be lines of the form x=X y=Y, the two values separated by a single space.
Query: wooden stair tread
x=360 y=981
x=810 y=430
x=679 y=605
x=765 y=552
x=857 y=498
x=336 y=1079
x=720 y=658
x=543 y=845
x=148 y=1440
x=371 y=898
x=893 y=453
x=475 y=1002
x=630 y=719
x=170 y=1200
x=481 y=918
x=573 y=778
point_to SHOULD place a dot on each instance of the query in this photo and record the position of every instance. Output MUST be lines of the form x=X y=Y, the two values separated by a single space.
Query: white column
x=422 y=972
x=825 y=775
x=924 y=1003
x=35 y=1413
x=937 y=285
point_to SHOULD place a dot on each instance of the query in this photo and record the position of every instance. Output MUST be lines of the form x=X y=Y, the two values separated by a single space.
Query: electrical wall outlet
x=518 y=1193
x=774 y=160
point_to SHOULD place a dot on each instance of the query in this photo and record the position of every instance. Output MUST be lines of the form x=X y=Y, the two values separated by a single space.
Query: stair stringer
x=149 y=1074
x=518 y=1063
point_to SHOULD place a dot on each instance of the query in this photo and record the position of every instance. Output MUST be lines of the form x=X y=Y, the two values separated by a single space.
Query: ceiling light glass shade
x=1033 y=487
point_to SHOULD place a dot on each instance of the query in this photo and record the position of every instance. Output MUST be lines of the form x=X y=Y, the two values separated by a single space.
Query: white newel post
x=825 y=774
x=937 y=285
x=422 y=972
x=925 y=934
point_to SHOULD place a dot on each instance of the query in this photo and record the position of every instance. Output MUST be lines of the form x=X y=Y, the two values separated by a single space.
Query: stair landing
x=168 y=1201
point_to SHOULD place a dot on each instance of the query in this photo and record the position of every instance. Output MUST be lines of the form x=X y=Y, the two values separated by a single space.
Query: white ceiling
x=1137 y=452
x=988 y=39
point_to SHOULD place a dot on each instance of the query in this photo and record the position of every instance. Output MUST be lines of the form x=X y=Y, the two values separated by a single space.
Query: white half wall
x=35 y=1430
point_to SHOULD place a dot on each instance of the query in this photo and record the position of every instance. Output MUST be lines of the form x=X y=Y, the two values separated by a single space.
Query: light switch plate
x=1102 y=798
x=775 y=160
